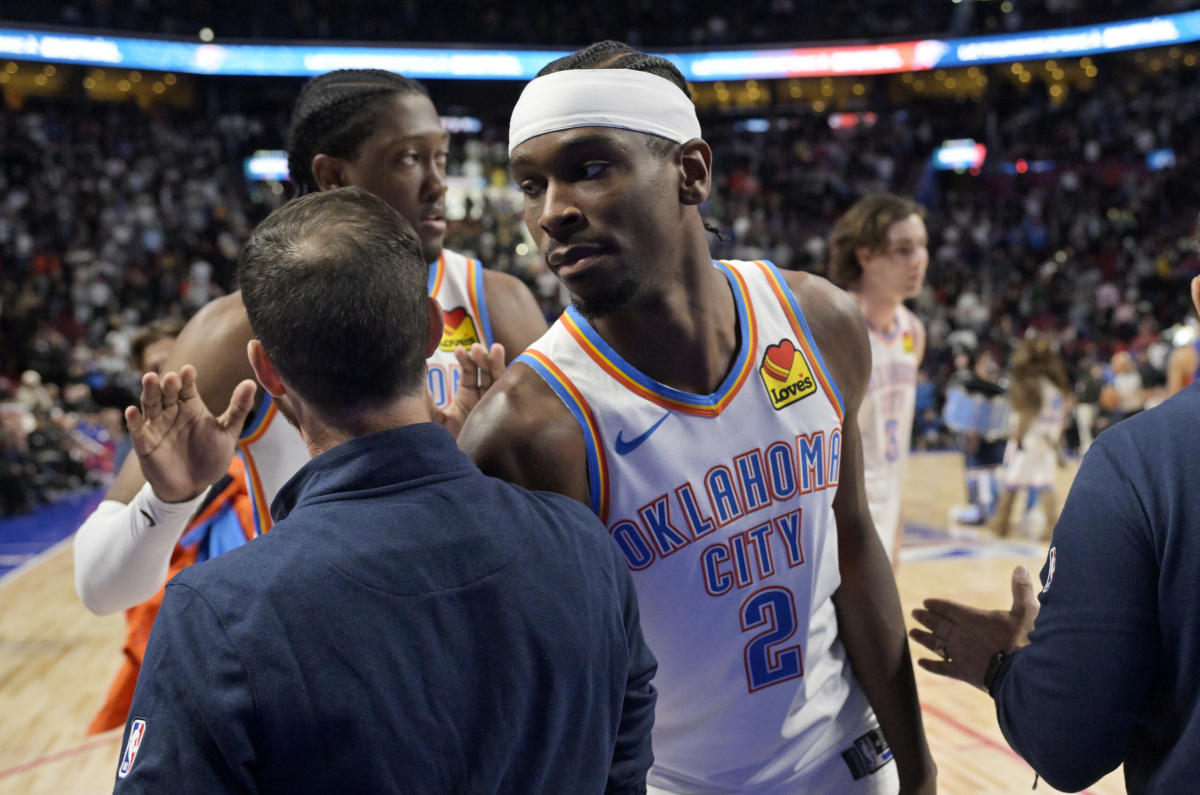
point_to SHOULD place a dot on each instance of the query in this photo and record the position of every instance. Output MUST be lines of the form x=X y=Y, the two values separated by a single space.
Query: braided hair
x=335 y=113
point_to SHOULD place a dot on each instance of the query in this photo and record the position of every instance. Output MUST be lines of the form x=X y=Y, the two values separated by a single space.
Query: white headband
x=623 y=98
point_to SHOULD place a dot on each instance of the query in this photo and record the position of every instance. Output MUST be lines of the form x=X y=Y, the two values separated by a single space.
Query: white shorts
x=1031 y=467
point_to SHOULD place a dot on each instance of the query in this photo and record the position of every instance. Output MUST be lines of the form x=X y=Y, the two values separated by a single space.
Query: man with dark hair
x=878 y=251
x=410 y=625
x=363 y=127
x=706 y=412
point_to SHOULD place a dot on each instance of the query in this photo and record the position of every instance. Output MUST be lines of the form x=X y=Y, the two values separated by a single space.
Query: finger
x=953 y=612
x=939 y=667
x=170 y=390
x=927 y=639
x=936 y=623
x=134 y=419
x=1021 y=586
x=151 y=396
x=187 y=383
x=240 y=403
x=496 y=357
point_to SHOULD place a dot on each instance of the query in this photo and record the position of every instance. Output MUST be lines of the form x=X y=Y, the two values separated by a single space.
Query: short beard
x=606 y=303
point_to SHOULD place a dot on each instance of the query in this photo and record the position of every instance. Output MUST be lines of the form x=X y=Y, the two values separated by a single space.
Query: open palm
x=181 y=446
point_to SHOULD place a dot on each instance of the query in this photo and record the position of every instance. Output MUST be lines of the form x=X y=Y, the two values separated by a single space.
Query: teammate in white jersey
x=706 y=411
x=1040 y=398
x=378 y=131
x=878 y=251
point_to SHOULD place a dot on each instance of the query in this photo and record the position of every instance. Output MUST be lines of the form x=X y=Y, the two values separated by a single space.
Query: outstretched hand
x=182 y=447
x=966 y=638
x=481 y=368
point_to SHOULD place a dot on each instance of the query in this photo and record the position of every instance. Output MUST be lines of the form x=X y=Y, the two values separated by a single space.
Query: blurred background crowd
x=1080 y=224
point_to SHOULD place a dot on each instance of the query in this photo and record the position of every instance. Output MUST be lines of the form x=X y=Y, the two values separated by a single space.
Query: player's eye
x=593 y=169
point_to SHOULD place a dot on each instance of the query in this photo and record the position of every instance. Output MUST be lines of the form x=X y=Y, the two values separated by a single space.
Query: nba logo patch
x=1051 y=565
x=785 y=374
x=458 y=330
x=137 y=730
x=910 y=343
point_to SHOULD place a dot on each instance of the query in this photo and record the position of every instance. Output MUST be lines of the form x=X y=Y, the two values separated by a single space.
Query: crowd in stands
x=562 y=23
x=113 y=218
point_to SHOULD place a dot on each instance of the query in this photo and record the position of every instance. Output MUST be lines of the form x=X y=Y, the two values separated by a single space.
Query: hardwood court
x=56 y=659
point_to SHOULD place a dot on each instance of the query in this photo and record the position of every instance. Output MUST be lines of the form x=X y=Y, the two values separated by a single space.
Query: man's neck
x=880 y=310
x=685 y=335
x=321 y=433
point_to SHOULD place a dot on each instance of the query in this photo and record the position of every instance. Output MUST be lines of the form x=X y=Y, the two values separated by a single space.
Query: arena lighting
x=266 y=164
x=299 y=60
x=960 y=154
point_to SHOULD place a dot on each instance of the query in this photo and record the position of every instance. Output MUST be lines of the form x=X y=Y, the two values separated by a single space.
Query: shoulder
x=214 y=342
x=522 y=432
x=839 y=330
x=516 y=318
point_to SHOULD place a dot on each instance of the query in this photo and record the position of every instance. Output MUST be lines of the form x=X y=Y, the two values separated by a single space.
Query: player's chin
x=431 y=246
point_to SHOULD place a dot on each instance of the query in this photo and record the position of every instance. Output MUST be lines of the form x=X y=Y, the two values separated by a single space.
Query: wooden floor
x=56 y=659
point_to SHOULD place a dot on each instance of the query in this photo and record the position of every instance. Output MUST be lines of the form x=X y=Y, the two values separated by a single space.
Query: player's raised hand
x=481 y=368
x=181 y=446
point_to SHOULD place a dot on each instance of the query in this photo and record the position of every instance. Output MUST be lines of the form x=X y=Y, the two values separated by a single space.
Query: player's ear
x=264 y=369
x=329 y=172
x=863 y=255
x=436 y=321
x=695 y=170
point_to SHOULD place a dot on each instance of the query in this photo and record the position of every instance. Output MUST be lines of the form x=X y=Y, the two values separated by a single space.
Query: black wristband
x=993 y=668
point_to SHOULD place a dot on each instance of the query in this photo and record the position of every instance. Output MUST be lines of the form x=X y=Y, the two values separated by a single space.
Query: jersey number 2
x=766 y=665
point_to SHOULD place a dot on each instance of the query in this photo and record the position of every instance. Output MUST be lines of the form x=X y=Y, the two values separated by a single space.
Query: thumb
x=240 y=404
x=1022 y=589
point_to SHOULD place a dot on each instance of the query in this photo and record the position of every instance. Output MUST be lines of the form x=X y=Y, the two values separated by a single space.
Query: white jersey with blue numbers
x=457 y=284
x=722 y=507
x=272 y=447
x=885 y=420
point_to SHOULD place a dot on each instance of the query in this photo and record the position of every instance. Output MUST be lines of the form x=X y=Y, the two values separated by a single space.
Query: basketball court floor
x=56 y=659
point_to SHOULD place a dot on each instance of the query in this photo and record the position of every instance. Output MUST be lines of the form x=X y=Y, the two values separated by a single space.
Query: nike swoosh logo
x=623 y=447
x=149 y=518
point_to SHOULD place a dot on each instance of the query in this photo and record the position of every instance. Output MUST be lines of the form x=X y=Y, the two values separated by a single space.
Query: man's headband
x=623 y=98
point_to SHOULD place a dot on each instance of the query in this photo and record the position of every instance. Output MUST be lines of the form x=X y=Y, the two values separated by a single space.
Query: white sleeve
x=122 y=552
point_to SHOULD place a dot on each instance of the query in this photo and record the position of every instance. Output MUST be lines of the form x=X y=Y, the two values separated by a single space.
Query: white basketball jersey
x=273 y=449
x=457 y=284
x=722 y=506
x=885 y=420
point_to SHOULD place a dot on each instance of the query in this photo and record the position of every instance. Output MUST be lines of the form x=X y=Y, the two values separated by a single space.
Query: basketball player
x=379 y=131
x=706 y=412
x=878 y=252
x=1039 y=391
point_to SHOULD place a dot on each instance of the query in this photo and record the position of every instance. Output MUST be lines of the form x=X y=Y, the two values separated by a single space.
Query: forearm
x=122 y=552
x=871 y=627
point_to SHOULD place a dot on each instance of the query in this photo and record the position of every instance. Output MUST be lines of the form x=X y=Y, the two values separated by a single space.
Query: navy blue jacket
x=1112 y=672
x=409 y=625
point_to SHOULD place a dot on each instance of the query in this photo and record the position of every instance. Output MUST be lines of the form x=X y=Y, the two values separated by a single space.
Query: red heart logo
x=782 y=355
x=454 y=318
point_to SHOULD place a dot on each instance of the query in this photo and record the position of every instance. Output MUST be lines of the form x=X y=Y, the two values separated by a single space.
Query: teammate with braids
x=368 y=128
x=707 y=412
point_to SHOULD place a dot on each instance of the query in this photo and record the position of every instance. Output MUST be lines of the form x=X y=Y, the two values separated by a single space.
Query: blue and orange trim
x=567 y=392
x=478 y=299
x=262 y=509
x=674 y=399
x=437 y=271
x=791 y=308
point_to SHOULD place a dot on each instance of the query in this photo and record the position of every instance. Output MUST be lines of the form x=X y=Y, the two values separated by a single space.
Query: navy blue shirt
x=1112 y=672
x=409 y=625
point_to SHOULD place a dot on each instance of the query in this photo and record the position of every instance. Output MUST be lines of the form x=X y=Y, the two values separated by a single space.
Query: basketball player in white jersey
x=878 y=251
x=378 y=131
x=706 y=412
